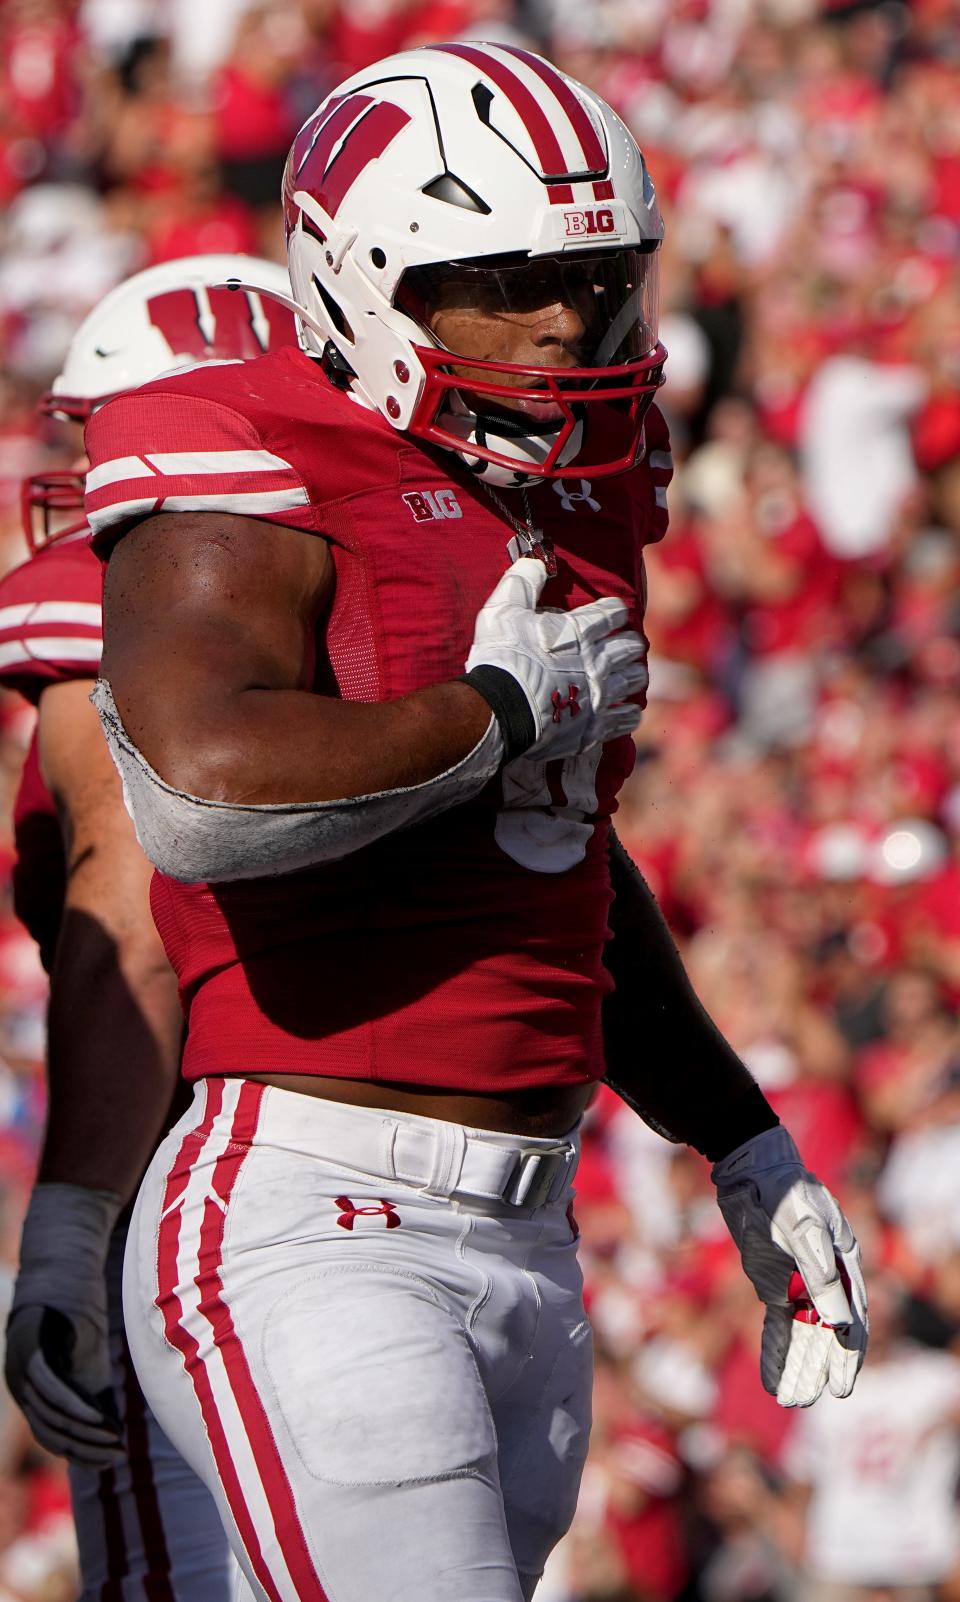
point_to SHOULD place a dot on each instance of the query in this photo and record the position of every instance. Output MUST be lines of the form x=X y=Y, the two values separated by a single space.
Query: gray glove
x=57 y=1345
x=784 y=1221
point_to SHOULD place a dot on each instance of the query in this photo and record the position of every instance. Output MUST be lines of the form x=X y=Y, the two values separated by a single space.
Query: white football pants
x=147 y=1530
x=384 y=1380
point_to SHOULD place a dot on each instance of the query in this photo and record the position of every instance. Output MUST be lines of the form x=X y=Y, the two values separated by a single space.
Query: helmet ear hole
x=378 y=257
x=334 y=312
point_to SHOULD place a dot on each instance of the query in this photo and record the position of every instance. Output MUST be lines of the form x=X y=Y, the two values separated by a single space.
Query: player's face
x=544 y=323
x=594 y=309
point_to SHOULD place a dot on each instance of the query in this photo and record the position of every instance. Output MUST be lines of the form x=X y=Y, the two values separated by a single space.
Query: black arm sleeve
x=665 y=1056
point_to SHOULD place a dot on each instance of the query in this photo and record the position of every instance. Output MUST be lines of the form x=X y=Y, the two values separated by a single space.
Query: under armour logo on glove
x=571 y=704
x=348 y=1212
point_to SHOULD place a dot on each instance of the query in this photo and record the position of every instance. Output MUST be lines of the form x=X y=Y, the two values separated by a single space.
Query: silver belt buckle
x=536 y=1174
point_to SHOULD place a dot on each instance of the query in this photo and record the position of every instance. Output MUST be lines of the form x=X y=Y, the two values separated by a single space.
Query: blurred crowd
x=796 y=803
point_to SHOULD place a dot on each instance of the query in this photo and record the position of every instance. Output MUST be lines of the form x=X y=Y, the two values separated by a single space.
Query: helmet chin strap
x=510 y=434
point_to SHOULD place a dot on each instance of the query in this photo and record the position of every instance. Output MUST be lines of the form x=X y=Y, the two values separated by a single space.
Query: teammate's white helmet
x=168 y=316
x=485 y=163
x=165 y=317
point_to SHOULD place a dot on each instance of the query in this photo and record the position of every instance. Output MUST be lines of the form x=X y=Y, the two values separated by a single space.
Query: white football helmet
x=479 y=170
x=169 y=316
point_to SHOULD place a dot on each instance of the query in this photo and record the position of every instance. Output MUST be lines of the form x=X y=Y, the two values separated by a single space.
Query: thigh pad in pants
x=376 y=1380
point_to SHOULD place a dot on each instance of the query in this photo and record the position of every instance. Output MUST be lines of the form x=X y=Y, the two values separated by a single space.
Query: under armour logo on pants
x=348 y=1212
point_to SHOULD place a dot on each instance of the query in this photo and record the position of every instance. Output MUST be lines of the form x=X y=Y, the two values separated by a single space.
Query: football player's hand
x=799 y=1250
x=575 y=673
x=57 y=1348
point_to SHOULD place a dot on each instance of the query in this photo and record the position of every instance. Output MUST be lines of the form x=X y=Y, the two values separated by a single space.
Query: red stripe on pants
x=266 y=1455
x=171 y=1307
x=273 y=1479
x=115 y=1539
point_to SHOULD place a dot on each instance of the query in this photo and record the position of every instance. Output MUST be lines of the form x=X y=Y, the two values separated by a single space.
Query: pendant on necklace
x=533 y=542
x=529 y=541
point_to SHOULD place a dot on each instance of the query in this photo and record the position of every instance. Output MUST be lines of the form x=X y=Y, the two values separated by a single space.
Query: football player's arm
x=114 y=1032
x=209 y=650
x=794 y=1241
x=687 y=1082
x=234 y=767
x=115 y=1024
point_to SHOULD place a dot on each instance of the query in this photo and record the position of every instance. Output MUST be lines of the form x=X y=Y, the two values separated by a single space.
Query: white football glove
x=571 y=672
x=784 y=1221
x=57 y=1347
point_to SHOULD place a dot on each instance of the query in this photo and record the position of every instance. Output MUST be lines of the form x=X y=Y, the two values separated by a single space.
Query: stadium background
x=796 y=803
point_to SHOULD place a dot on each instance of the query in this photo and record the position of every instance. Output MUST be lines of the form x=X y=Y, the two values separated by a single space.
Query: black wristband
x=749 y=1115
x=506 y=699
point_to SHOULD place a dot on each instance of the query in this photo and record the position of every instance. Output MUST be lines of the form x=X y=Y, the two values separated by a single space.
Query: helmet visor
x=609 y=299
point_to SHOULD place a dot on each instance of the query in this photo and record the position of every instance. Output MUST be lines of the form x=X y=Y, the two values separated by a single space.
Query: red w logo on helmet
x=220 y=322
x=335 y=147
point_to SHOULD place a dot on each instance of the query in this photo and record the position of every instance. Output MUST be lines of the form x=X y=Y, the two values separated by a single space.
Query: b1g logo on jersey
x=433 y=505
x=590 y=221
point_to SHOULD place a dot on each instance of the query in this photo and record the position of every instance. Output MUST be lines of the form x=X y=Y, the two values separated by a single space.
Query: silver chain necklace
x=528 y=539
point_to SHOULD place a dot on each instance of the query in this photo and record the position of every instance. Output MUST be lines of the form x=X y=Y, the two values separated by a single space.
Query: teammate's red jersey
x=465 y=952
x=50 y=632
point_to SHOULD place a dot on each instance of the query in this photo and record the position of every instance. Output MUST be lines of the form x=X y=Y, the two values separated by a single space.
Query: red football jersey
x=467 y=951
x=50 y=632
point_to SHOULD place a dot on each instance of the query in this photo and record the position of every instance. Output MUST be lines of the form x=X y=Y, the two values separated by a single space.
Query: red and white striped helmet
x=487 y=157
x=167 y=316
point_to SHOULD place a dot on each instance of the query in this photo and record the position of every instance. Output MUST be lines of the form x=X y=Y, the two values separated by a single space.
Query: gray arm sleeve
x=195 y=840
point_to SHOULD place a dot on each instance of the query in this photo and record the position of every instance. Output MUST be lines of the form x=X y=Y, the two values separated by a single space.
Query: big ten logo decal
x=592 y=220
x=433 y=505
x=203 y=324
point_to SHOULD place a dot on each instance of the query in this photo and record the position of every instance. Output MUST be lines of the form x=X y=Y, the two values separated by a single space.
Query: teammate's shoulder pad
x=50 y=618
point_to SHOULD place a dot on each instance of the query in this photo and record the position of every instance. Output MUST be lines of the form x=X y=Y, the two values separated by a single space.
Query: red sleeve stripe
x=85 y=614
x=65 y=652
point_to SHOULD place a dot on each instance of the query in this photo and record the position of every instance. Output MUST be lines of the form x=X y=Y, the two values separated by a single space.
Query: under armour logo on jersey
x=348 y=1212
x=571 y=499
x=432 y=505
x=571 y=704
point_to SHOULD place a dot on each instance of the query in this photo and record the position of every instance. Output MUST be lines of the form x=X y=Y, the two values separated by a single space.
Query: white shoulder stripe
x=661 y=498
x=663 y=460
x=87 y=613
x=255 y=503
x=182 y=462
x=251 y=504
x=117 y=511
x=111 y=472
x=50 y=650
